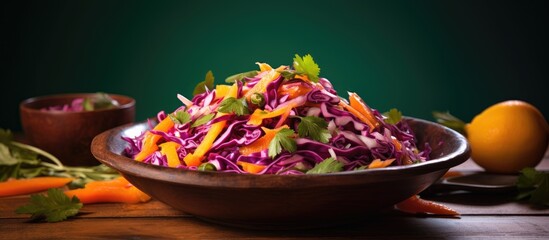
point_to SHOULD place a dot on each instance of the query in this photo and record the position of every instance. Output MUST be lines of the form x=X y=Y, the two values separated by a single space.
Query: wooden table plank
x=500 y=227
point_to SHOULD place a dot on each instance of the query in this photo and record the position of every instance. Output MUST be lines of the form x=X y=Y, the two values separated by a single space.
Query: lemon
x=507 y=137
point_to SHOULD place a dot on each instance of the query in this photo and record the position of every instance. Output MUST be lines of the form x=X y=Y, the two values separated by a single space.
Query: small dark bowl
x=285 y=201
x=68 y=135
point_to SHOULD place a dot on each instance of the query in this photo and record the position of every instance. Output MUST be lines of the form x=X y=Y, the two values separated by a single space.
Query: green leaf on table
x=329 y=165
x=283 y=139
x=315 y=128
x=53 y=207
x=207 y=83
x=534 y=186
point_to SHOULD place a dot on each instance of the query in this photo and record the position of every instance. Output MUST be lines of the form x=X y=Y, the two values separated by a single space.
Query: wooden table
x=496 y=216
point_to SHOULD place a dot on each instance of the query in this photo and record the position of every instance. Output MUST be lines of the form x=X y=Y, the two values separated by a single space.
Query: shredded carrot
x=398 y=145
x=170 y=150
x=357 y=103
x=416 y=205
x=261 y=143
x=357 y=114
x=150 y=140
x=377 y=163
x=118 y=190
x=251 y=167
x=293 y=90
x=14 y=187
x=256 y=118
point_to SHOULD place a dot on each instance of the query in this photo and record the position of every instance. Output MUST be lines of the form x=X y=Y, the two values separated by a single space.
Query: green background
x=417 y=56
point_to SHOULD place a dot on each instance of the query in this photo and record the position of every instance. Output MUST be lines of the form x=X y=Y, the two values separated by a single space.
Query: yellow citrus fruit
x=508 y=136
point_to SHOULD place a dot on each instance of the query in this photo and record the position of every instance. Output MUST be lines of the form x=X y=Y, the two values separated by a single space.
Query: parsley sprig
x=329 y=165
x=534 y=186
x=237 y=106
x=303 y=66
x=393 y=116
x=283 y=139
x=314 y=128
x=53 y=207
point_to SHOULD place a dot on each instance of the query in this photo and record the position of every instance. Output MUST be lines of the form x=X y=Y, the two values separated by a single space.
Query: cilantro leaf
x=207 y=83
x=203 y=120
x=534 y=186
x=54 y=207
x=307 y=66
x=393 y=116
x=283 y=139
x=237 y=106
x=314 y=127
x=329 y=165
x=240 y=76
x=180 y=117
x=5 y=135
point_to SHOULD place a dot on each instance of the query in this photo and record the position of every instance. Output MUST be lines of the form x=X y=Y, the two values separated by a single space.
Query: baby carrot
x=417 y=205
x=31 y=185
x=118 y=190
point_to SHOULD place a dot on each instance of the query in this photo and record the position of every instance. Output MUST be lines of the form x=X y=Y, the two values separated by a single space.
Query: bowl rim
x=24 y=104
x=128 y=166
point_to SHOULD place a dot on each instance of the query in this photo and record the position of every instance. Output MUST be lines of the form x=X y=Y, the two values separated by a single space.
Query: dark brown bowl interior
x=68 y=135
x=288 y=201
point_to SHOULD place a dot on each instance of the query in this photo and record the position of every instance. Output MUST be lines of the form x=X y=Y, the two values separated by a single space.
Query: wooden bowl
x=285 y=201
x=68 y=135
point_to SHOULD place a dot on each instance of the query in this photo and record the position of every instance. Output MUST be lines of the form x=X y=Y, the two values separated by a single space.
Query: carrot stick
x=31 y=185
x=170 y=150
x=195 y=158
x=377 y=163
x=118 y=190
x=416 y=205
x=150 y=140
x=251 y=167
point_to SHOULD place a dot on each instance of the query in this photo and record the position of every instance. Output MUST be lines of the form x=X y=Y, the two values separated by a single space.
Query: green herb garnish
x=449 y=120
x=302 y=66
x=53 y=207
x=283 y=139
x=206 y=167
x=207 y=83
x=307 y=66
x=329 y=165
x=534 y=186
x=237 y=106
x=393 y=116
x=257 y=99
x=180 y=117
x=240 y=76
x=203 y=120
x=314 y=128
